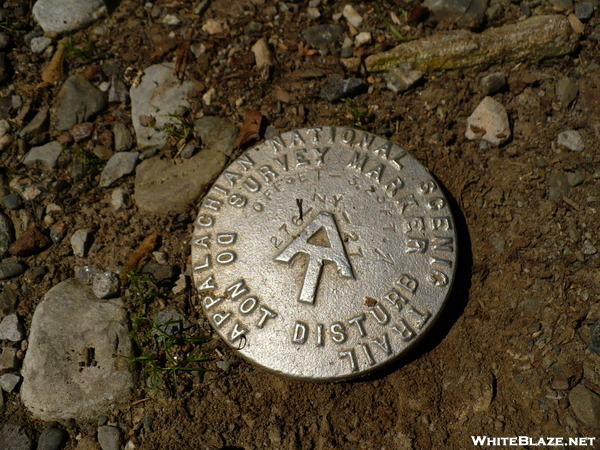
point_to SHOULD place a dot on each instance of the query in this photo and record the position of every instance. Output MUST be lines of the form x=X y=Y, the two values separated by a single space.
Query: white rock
x=262 y=54
x=572 y=140
x=60 y=16
x=364 y=37
x=489 y=122
x=313 y=12
x=46 y=155
x=352 y=16
x=119 y=200
x=11 y=329
x=171 y=20
x=76 y=364
x=9 y=381
x=212 y=26
x=208 y=95
x=180 y=284
x=81 y=241
x=106 y=285
x=39 y=44
x=401 y=80
x=159 y=94
x=119 y=165
x=160 y=257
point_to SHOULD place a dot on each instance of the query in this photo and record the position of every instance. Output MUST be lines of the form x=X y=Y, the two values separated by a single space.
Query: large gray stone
x=60 y=16
x=76 y=362
x=119 y=165
x=46 y=156
x=15 y=436
x=585 y=405
x=78 y=101
x=159 y=94
x=162 y=187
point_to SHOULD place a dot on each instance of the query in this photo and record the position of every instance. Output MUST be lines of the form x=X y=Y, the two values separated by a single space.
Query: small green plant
x=165 y=352
x=82 y=52
x=92 y=165
x=385 y=20
x=178 y=127
x=356 y=113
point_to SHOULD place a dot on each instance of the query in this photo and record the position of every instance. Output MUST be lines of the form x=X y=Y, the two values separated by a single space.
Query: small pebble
x=109 y=438
x=81 y=242
x=9 y=381
x=362 y=38
x=39 y=44
x=171 y=20
x=51 y=439
x=588 y=248
x=10 y=269
x=352 y=16
x=106 y=285
x=572 y=140
x=223 y=365
x=12 y=201
x=31 y=242
x=11 y=329
x=584 y=10
x=8 y=359
x=119 y=200
x=492 y=83
x=82 y=131
x=160 y=257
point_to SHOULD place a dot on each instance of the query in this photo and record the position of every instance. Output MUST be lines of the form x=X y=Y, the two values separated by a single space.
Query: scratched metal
x=324 y=253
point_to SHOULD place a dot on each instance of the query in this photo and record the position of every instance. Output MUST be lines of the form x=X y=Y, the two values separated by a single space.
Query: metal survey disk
x=323 y=253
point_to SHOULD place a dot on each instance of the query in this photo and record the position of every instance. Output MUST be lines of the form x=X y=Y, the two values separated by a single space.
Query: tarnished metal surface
x=324 y=253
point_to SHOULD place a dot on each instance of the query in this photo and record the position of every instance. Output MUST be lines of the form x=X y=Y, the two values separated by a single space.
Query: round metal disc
x=324 y=253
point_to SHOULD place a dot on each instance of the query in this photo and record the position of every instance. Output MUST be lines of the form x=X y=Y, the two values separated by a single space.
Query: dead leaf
x=138 y=256
x=53 y=72
x=305 y=50
x=250 y=128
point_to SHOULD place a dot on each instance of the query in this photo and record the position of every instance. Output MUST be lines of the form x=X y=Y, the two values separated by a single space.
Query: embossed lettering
x=437 y=203
x=320 y=335
x=204 y=265
x=392 y=187
x=398 y=157
x=438 y=278
x=321 y=151
x=237 y=332
x=225 y=258
x=220 y=318
x=376 y=173
x=245 y=162
x=396 y=299
x=237 y=289
x=380 y=314
x=427 y=187
x=351 y=358
x=202 y=241
x=252 y=184
x=209 y=301
x=317 y=133
x=248 y=305
x=301 y=159
x=443 y=244
x=348 y=136
x=232 y=177
x=443 y=223
x=404 y=330
x=267 y=172
x=297 y=139
x=358 y=161
x=266 y=315
x=277 y=143
x=208 y=283
x=283 y=162
x=367 y=351
x=414 y=245
x=205 y=221
x=300 y=333
x=338 y=332
x=384 y=344
x=358 y=321
x=384 y=150
x=407 y=282
x=366 y=140
x=226 y=238
x=418 y=318
x=442 y=262
x=407 y=201
x=239 y=201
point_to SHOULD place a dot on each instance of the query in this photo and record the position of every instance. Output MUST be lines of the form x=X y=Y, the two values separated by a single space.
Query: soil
x=513 y=339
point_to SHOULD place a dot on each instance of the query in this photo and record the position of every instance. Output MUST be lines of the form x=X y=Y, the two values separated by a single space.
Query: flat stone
x=31 y=242
x=566 y=90
x=109 y=438
x=460 y=11
x=39 y=124
x=61 y=16
x=118 y=91
x=11 y=329
x=163 y=187
x=51 y=439
x=123 y=138
x=70 y=369
x=325 y=38
x=45 y=156
x=119 y=165
x=9 y=381
x=8 y=359
x=106 y=285
x=572 y=140
x=337 y=88
x=78 y=101
x=12 y=201
x=159 y=94
x=10 y=269
x=217 y=134
x=492 y=83
x=81 y=242
x=586 y=405
x=15 y=436
x=533 y=39
x=489 y=122
x=401 y=80
x=7 y=234
x=352 y=16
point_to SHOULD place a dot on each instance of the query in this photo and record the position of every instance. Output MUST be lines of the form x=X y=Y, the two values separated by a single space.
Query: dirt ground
x=513 y=339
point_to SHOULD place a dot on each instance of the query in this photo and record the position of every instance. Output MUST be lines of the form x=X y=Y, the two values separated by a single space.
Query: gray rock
x=51 y=439
x=106 y=285
x=39 y=124
x=78 y=101
x=162 y=187
x=489 y=122
x=61 y=16
x=119 y=200
x=119 y=165
x=575 y=178
x=8 y=359
x=223 y=365
x=15 y=436
x=585 y=405
x=566 y=90
x=109 y=438
x=460 y=11
x=12 y=201
x=8 y=301
x=401 y=80
x=562 y=4
x=39 y=44
x=539 y=37
x=525 y=9
x=123 y=138
x=46 y=156
x=584 y=10
x=9 y=381
x=76 y=358
x=595 y=337
x=11 y=329
x=170 y=322
x=159 y=94
x=572 y=140
x=7 y=234
x=558 y=186
x=337 y=88
x=81 y=242
x=87 y=273
x=492 y=83
x=216 y=133
x=118 y=92
x=588 y=248
x=325 y=38
x=188 y=151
